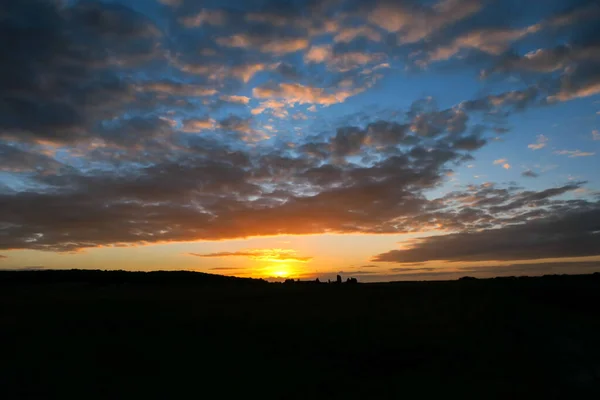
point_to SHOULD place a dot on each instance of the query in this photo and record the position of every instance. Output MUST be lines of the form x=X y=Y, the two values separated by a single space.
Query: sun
x=281 y=273
x=280 y=270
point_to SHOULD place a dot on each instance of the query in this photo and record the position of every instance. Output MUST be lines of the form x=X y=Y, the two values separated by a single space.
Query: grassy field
x=126 y=338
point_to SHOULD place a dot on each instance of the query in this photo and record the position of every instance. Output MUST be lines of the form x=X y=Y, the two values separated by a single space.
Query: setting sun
x=281 y=273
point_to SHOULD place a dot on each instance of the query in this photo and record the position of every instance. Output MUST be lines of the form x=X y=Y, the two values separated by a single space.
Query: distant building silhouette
x=338 y=279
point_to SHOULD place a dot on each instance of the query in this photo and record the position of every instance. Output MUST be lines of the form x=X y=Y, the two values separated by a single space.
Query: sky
x=384 y=140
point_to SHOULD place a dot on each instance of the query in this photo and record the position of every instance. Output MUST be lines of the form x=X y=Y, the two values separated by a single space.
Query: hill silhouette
x=181 y=334
x=104 y=277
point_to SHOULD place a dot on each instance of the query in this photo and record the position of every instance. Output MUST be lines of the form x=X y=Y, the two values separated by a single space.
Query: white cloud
x=236 y=99
x=540 y=143
x=574 y=153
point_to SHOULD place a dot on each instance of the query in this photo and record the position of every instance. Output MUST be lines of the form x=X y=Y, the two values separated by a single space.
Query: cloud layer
x=129 y=123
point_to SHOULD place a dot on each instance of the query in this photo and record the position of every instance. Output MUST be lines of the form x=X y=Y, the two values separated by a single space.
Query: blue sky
x=383 y=139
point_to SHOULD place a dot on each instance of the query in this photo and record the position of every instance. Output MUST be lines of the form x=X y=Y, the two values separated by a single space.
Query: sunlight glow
x=281 y=273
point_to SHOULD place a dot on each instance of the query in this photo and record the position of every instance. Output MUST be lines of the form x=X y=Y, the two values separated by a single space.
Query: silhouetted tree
x=351 y=280
x=338 y=279
x=317 y=280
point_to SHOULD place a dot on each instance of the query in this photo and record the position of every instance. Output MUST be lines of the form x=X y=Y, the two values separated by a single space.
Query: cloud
x=43 y=98
x=3 y=257
x=226 y=269
x=213 y=192
x=276 y=46
x=269 y=255
x=178 y=89
x=236 y=99
x=216 y=186
x=297 y=93
x=198 y=125
x=318 y=54
x=173 y=3
x=569 y=234
x=582 y=82
x=500 y=161
x=115 y=129
x=574 y=153
x=523 y=269
x=206 y=16
x=529 y=174
x=348 y=34
x=492 y=41
x=595 y=135
x=540 y=143
x=341 y=61
x=243 y=72
x=356 y=273
x=19 y=160
x=413 y=269
x=549 y=60
x=413 y=22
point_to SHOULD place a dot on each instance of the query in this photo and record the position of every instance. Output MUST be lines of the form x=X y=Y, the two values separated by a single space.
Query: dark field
x=172 y=336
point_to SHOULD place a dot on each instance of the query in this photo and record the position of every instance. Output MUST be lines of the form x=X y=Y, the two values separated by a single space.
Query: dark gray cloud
x=63 y=76
x=17 y=159
x=451 y=272
x=530 y=174
x=116 y=123
x=558 y=235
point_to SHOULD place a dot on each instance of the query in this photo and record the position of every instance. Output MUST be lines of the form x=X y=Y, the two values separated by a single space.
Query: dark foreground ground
x=176 y=338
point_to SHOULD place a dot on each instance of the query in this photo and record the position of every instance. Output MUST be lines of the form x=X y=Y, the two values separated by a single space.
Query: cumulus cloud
x=414 y=22
x=198 y=125
x=342 y=61
x=348 y=34
x=270 y=45
x=492 y=41
x=116 y=129
x=212 y=191
x=297 y=93
x=236 y=99
x=43 y=98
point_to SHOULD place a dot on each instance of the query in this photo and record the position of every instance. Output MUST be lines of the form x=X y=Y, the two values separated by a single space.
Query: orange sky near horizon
x=275 y=258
